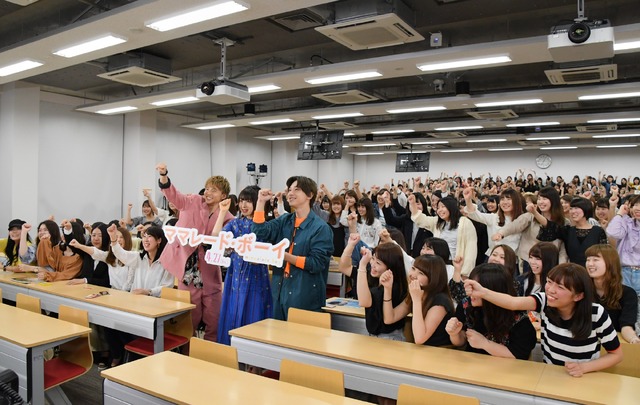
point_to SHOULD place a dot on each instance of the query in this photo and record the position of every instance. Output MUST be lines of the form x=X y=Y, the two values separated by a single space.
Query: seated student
x=620 y=301
x=439 y=247
x=17 y=248
x=543 y=256
x=150 y=276
x=65 y=262
x=371 y=293
x=429 y=301
x=573 y=327
x=149 y=213
x=93 y=271
x=488 y=328
x=400 y=217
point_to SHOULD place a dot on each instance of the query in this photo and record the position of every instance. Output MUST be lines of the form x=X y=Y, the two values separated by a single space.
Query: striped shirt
x=558 y=343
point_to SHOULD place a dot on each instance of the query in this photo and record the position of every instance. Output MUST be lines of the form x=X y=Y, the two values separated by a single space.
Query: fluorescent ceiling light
x=216 y=126
x=373 y=145
x=197 y=16
x=274 y=121
x=608 y=96
x=368 y=153
x=616 y=146
x=616 y=136
x=90 y=46
x=504 y=149
x=513 y=102
x=548 y=138
x=283 y=138
x=613 y=120
x=393 y=131
x=344 y=77
x=18 y=67
x=348 y=134
x=264 y=87
x=417 y=109
x=430 y=143
x=455 y=64
x=558 y=147
x=332 y=116
x=345 y=146
x=459 y=128
x=623 y=46
x=175 y=101
x=456 y=150
x=533 y=124
x=117 y=110
x=486 y=140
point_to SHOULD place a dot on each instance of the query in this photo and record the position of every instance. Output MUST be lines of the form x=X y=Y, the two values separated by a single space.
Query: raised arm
x=475 y=290
x=346 y=264
x=364 y=294
x=147 y=193
x=390 y=313
x=224 y=208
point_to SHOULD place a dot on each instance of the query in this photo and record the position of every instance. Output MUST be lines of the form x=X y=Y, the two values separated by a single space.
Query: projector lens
x=579 y=32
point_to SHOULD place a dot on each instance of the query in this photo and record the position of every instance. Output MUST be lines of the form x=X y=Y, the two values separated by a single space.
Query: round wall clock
x=543 y=161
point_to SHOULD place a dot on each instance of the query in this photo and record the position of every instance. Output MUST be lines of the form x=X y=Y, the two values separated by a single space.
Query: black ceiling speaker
x=462 y=89
x=249 y=109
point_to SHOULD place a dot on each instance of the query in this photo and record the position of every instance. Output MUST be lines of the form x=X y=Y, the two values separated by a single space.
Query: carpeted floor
x=85 y=390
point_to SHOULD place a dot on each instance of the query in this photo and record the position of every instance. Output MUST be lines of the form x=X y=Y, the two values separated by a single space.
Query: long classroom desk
x=171 y=378
x=139 y=315
x=379 y=366
x=24 y=336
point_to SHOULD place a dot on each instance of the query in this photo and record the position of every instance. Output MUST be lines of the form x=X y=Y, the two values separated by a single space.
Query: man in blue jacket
x=302 y=281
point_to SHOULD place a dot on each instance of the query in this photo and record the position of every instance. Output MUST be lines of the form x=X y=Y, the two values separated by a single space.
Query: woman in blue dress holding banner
x=246 y=297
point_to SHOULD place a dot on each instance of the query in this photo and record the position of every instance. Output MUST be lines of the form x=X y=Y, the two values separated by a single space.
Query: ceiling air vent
x=299 y=20
x=139 y=69
x=525 y=142
x=337 y=125
x=447 y=135
x=346 y=97
x=589 y=74
x=597 y=128
x=493 y=114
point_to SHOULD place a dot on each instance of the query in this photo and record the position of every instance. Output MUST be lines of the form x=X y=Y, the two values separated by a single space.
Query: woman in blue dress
x=246 y=297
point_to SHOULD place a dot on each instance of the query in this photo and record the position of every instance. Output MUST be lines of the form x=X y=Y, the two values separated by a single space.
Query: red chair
x=74 y=358
x=177 y=331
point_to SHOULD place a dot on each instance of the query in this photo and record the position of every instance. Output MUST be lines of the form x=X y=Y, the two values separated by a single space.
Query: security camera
x=208 y=88
x=438 y=84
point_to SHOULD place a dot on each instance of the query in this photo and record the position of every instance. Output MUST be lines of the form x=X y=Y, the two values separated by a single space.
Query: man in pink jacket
x=203 y=280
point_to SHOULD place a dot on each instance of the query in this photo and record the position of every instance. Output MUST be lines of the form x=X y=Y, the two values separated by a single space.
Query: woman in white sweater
x=509 y=208
x=150 y=277
x=450 y=225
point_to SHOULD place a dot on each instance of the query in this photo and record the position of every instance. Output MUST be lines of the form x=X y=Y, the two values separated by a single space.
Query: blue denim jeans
x=631 y=278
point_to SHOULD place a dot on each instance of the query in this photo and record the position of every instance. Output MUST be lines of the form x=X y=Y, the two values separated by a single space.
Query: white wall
x=91 y=166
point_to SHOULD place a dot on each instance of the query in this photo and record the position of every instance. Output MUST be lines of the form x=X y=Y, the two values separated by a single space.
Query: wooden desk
x=24 y=336
x=347 y=318
x=168 y=377
x=379 y=366
x=136 y=314
x=335 y=277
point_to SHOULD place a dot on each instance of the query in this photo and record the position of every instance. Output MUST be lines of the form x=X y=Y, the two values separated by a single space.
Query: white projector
x=223 y=92
x=586 y=40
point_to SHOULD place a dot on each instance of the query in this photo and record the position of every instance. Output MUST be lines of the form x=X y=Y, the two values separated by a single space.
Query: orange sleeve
x=300 y=260
x=258 y=217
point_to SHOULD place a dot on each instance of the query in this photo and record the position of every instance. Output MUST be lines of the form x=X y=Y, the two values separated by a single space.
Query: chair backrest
x=213 y=352
x=318 y=378
x=630 y=364
x=180 y=325
x=28 y=302
x=319 y=319
x=410 y=395
x=78 y=350
x=0 y=295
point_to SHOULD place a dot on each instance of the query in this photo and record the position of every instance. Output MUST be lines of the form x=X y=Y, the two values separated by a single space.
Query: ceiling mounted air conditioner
x=580 y=75
x=337 y=125
x=525 y=142
x=368 y=24
x=346 y=97
x=493 y=114
x=597 y=128
x=446 y=135
x=139 y=69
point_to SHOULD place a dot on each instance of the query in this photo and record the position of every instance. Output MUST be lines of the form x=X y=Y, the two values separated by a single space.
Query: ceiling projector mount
x=222 y=90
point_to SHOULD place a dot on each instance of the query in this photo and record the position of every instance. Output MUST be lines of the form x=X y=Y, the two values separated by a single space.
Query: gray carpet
x=85 y=390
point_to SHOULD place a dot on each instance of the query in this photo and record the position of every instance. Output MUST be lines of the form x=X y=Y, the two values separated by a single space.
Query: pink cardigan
x=194 y=213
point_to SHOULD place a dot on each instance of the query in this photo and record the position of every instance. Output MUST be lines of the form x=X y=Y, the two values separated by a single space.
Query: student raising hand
x=413 y=206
